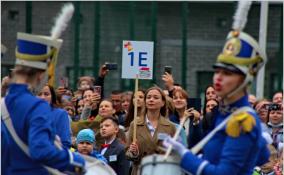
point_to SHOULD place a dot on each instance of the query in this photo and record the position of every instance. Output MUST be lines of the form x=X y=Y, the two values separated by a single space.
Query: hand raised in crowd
x=103 y=71
x=192 y=112
x=168 y=81
x=96 y=98
x=133 y=148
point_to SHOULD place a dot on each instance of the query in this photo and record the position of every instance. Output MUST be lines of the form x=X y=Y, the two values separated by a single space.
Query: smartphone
x=64 y=82
x=98 y=89
x=168 y=69
x=194 y=103
x=111 y=66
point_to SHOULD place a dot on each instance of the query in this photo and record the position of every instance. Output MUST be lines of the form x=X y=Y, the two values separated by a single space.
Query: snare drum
x=156 y=165
x=97 y=167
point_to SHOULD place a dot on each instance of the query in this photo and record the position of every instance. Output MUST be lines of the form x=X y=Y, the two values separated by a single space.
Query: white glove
x=177 y=146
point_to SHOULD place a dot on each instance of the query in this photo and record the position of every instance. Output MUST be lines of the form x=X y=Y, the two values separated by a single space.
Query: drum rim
x=173 y=163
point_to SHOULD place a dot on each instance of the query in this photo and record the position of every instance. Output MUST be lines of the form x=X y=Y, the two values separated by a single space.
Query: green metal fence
x=117 y=21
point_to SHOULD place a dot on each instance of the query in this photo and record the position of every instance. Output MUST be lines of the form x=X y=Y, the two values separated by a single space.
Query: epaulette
x=241 y=122
x=72 y=149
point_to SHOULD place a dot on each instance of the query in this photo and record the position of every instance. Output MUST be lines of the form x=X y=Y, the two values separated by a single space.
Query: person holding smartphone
x=91 y=100
x=169 y=82
x=184 y=111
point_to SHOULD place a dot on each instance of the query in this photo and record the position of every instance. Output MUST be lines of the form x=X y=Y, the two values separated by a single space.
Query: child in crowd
x=113 y=150
x=85 y=144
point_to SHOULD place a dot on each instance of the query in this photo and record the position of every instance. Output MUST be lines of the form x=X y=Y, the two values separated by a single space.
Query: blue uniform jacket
x=5 y=163
x=31 y=119
x=225 y=155
x=62 y=126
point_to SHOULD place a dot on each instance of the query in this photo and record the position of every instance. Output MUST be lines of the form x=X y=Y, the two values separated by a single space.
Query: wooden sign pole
x=135 y=110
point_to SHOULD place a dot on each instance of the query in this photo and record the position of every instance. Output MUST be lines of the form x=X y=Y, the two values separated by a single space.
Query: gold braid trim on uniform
x=29 y=57
x=241 y=122
x=238 y=60
x=51 y=68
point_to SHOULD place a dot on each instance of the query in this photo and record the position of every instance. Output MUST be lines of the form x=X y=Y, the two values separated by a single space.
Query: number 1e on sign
x=137 y=58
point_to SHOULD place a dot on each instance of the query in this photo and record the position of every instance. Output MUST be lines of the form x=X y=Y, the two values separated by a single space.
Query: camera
x=111 y=66
x=274 y=107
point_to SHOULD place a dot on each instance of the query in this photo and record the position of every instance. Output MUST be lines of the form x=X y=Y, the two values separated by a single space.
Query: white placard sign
x=137 y=58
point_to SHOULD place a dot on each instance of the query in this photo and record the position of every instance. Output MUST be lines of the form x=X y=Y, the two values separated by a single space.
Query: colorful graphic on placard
x=128 y=46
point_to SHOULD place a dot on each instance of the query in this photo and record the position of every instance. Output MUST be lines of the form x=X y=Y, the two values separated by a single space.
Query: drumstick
x=135 y=110
x=203 y=142
x=169 y=150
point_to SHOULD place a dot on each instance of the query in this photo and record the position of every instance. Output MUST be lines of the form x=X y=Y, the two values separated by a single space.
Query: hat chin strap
x=248 y=79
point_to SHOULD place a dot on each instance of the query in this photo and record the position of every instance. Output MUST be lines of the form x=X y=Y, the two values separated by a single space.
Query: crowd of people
x=46 y=129
x=111 y=140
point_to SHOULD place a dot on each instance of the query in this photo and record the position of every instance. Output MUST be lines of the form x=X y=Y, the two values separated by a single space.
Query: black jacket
x=115 y=156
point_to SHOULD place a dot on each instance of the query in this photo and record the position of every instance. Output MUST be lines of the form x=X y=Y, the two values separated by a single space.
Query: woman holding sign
x=236 y=145
x=149 y=126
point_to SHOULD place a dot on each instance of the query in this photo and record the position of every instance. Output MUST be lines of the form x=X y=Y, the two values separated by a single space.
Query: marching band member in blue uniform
x=60 y=116
x=30 y=115
x=239 y=146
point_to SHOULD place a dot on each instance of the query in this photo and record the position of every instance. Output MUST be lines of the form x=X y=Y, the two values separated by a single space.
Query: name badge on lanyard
x=113 y=158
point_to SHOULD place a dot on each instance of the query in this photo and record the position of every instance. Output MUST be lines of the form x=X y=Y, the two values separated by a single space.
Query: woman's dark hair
x=77 y=105
x=207 y=121
x=54 y=102
x=208 y=118
x=130 y=115
x=205 y=99
x=163 y=110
